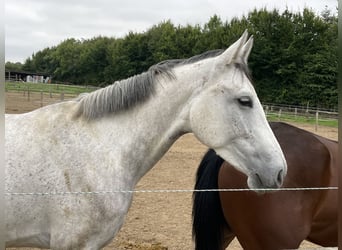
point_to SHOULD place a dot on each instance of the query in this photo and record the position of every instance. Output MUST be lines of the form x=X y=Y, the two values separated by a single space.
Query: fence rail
x=313 y=116
x=298 y=110
x=48 y=88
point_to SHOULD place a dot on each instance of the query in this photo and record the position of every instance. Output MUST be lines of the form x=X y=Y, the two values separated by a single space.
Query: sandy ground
x=157 y=221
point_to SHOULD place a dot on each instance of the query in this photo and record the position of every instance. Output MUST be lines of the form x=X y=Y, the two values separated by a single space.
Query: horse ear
x=237 y=51
x=246 y=50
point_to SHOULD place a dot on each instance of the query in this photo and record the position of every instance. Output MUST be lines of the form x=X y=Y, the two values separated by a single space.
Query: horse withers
x=85 y=154
x=278 y=220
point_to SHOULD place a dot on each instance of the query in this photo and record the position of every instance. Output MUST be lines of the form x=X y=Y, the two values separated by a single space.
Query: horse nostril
x=280 y=178
x=259 y=180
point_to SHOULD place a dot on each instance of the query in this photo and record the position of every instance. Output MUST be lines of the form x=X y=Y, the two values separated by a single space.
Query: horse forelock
x=245 y=70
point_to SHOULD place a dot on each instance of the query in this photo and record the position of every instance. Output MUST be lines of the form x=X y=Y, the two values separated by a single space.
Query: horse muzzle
x=258 y=181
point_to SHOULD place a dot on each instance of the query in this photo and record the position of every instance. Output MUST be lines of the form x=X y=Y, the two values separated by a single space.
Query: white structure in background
x=37 y=79
x=29 y=78
x=22 y=76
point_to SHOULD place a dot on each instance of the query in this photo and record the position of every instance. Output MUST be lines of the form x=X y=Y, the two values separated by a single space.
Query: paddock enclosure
x=158 y=221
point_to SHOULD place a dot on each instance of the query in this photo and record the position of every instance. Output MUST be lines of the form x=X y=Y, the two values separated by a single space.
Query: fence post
x=296 y=113
x=279 y=114
x=62 y=96
x=28 y=93
x=41 y=98
x=316 y=123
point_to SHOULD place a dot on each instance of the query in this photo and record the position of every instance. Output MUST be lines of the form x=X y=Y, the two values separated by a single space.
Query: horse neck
x=151 y=128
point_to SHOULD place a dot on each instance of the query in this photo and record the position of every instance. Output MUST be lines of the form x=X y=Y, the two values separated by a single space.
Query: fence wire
x=170 y=191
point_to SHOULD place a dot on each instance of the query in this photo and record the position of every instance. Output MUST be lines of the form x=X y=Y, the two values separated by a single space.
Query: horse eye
x=245 y=101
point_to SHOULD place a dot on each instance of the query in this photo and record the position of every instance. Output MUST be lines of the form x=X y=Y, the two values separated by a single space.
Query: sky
x=32 y=25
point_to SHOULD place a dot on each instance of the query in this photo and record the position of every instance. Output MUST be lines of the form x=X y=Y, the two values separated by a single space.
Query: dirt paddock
x=158 y=221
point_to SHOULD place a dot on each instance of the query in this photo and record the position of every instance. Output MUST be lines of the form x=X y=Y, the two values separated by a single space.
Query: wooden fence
x=314 y=116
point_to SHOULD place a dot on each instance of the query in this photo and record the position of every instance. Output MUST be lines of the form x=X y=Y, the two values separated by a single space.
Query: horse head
x=228 y=117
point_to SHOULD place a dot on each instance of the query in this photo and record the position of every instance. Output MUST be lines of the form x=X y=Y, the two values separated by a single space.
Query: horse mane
x=125 y=94
x=121 y=95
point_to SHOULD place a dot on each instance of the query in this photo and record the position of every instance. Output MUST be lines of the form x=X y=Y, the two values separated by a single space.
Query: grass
x=303 y=119
x=49 y=88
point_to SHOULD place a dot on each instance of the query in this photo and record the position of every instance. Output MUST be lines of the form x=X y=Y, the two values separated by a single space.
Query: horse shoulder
x=324 y=229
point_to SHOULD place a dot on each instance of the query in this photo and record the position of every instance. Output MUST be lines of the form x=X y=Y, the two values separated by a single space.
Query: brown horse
x=277 y=220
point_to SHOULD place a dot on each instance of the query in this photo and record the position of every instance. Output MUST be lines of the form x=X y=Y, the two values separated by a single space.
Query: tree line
x=293 y=61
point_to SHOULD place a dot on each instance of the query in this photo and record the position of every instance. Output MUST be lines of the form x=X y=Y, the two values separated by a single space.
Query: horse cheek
x=206 y=124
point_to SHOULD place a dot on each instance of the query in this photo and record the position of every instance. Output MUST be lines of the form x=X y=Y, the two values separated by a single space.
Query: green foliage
x=13 y=66
x=294 y=59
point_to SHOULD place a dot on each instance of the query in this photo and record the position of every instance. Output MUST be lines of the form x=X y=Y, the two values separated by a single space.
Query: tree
x=293 y=61
x=13 y=66
x=162 y=41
